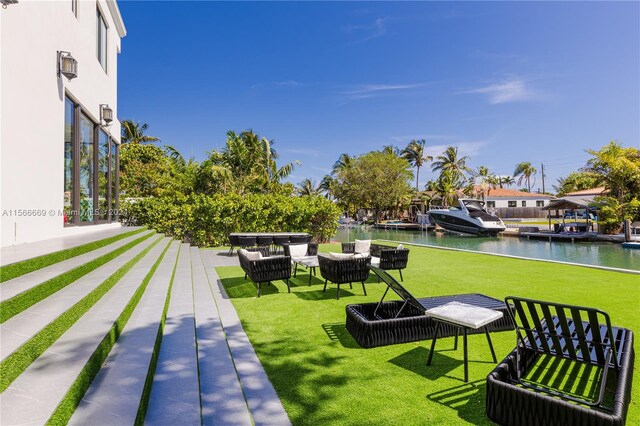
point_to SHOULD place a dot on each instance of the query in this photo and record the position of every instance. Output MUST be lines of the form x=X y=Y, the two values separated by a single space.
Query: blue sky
x=506 y=82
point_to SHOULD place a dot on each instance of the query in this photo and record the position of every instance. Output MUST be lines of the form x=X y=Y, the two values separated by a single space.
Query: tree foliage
x=134 y=132
x=375 y=180
x=576 y=181
x=415 y=154
x=524 y=171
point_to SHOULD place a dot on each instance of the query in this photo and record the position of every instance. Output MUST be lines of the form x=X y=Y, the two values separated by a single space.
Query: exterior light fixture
x=6 y=3
x=106 y=113
x=67 y=65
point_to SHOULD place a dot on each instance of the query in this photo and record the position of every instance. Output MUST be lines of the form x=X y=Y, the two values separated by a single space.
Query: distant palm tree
x=308 y=188
x=391 y=149
x=343 y=163
x=135 y=133
x=328 y=186
x=507 y=180
x=485 y=180
x=415 y=155
x=449 y=161
x=525 y=170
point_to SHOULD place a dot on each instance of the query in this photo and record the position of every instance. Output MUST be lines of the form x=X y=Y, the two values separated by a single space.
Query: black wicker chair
x=312 y=249
x=390 y=258
x=264 y=240
x=266 y=269
x=344 y=271
x=234 y=241
x=245 y=241
x=570 y=334
x=402 y=321
x=280 y=240
x=299 y=239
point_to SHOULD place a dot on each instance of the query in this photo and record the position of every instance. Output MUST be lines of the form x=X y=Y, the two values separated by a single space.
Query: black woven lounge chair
x=344 y=271
x=401 y=321
x=390 y=258
x=266 y=269
x=572 y=334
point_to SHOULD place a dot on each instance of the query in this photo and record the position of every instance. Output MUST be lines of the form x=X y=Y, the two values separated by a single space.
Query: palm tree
x=449 y=161
x=343 y=163
x=307 y=188
x=525 y=170
x=135 y=133
x=507 y=180
x=392 y=150
x=486 y=178
x=415 y=155
x=328 y=186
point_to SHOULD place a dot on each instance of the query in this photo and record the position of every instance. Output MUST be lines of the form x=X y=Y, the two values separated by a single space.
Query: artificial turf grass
x=12 y=366
x=17 y=269
x=63 y=412
x=26 y=299
x=148 y=383
x=323 y=376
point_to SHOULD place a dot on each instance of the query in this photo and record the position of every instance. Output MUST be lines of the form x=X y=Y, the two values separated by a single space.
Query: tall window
x=86 y=169
x=90 y=170
x=103 y=176
x=102 y=41
x=69 y=133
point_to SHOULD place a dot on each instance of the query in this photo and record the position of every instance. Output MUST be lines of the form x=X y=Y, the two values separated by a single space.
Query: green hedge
x=207 y=220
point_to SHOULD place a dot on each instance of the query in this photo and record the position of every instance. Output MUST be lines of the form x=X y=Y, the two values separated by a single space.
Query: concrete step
x=264 y=404
x=175 y=393
x=23 y=326
x=115 y=394
x=220 y=392
x=34 y=396
x=11 y=288
x=20 y=252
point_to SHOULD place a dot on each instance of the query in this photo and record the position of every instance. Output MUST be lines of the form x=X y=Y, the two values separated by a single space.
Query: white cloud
x=512 y=89
x=368 y=32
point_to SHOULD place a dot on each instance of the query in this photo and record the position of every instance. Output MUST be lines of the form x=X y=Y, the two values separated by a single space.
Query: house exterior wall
x=32 y=106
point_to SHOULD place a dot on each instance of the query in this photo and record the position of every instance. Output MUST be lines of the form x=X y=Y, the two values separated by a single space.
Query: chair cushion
x=340 y=256
x=363 y=246
x=375 y=261
x=400 y=246
x=298 y=250
x=253 y=255
x=360 y=255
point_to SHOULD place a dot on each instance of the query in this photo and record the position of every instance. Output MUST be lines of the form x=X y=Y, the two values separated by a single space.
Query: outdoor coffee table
x=310 y=262
x=466 y=317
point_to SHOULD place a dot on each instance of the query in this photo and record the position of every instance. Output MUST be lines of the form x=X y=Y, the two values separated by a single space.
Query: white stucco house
x=59 y=135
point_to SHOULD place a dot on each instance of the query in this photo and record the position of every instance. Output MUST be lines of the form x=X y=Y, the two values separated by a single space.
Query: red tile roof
x=593 y=191
x=505 y=192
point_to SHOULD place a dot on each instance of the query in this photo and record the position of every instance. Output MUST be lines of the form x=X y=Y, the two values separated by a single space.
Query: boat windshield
x=473 y=205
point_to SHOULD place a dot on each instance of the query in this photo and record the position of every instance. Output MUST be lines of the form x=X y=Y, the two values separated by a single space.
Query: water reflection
x=587 y=253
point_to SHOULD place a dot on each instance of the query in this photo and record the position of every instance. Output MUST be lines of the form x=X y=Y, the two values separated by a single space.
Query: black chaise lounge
x=401 y=321
x=390 y=258
x=266 y=269
x=564 y=334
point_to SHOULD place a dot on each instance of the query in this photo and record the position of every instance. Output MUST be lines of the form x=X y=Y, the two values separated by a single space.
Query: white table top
x=464 y=314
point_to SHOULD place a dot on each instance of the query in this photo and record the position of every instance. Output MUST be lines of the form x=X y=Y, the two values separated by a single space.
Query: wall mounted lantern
x=106 y=113
x=67 y=65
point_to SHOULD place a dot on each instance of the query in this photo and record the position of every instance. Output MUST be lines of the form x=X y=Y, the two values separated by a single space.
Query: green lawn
x=323 y=377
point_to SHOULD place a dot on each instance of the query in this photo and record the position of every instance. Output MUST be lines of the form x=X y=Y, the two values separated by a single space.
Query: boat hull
x=458 y=224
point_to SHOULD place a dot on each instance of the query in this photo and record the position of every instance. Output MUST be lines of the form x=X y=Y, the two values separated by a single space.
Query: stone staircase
x=146 y=336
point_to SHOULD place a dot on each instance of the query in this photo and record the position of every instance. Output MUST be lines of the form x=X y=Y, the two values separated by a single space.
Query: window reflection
x=86 y=169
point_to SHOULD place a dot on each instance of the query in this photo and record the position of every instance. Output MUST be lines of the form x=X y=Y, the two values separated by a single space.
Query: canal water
x=586 y=253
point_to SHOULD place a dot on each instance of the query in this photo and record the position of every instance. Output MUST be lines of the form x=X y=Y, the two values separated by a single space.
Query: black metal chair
x=266 y=269
x=344 y=271
x=234 y=241
x=570 y=334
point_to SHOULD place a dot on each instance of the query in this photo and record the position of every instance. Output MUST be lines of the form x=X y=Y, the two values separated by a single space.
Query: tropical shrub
x=207 y=220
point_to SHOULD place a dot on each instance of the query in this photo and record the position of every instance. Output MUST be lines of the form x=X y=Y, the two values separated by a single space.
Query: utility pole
x=543 y=191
